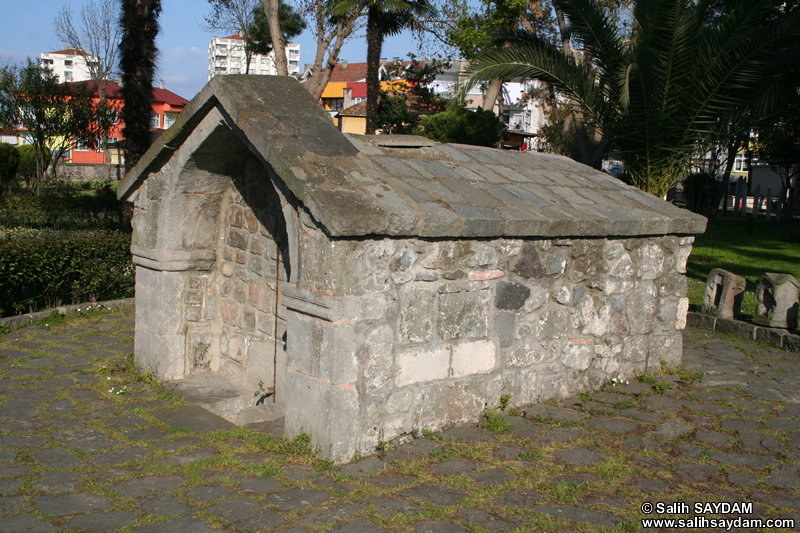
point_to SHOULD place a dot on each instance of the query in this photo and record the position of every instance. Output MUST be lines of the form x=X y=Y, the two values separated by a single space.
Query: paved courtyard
x=86 y=444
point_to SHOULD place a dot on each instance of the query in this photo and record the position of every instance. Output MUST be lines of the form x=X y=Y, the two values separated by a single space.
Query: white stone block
x=477 y=357
x=416 y=366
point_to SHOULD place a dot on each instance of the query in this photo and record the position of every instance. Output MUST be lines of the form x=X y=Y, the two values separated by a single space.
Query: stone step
x=217 y=394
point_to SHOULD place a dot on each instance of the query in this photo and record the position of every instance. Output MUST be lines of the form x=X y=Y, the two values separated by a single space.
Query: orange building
x=165 y=109
x=347 y=87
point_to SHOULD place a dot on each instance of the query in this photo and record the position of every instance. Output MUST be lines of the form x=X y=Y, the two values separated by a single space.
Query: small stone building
x=385 y=284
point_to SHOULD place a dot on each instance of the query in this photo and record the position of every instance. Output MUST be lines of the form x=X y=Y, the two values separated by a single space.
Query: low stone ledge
x=780 y=337
x=20 y=321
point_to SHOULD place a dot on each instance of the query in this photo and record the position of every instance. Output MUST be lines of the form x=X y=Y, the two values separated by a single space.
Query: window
x=740 y=163
x=67 y=75
x=169 y=119
x=155 y=121
x=67 y=62
x=80 y=147
x=47 y=62
x=111 y=140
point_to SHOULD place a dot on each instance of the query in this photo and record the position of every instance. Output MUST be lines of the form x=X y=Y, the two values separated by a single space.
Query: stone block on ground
x=724 y=292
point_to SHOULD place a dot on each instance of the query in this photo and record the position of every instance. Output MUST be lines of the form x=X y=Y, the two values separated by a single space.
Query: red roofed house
x=165 y=109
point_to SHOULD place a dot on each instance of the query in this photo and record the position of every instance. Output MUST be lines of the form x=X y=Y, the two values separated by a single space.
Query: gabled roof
x=168 y=97
x=411 y=186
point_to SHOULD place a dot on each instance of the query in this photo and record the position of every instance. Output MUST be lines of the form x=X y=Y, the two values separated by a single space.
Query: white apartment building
x=227 y=55
x=68 y=64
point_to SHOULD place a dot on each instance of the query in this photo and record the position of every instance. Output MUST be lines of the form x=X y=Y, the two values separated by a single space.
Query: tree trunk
x=330 y=41
x=374 y=45
x=278 y=44
x=721 y=191
x=137 y=61
x=492 y=94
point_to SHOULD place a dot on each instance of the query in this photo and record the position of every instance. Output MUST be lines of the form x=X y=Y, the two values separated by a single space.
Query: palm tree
x=137 y=61
x=384 y=18
x=659 y=95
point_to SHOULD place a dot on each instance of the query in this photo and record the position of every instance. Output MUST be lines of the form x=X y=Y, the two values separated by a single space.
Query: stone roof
x=412 y=186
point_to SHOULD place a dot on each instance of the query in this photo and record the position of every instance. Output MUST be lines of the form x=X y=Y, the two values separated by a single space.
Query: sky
x=26 y=30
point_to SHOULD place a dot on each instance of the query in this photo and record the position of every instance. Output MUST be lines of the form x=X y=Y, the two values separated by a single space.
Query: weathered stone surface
x=463 y=315
x=71 y=503
x=511 y=296
x=778 y=300
x=724 y=292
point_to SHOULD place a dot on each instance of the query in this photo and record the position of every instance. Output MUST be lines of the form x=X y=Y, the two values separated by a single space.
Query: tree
x=233 y=16
x=137 y=61
x=384 y=18
x=96 y=38
x=259 y=38
x=779 y=145
x=400 y=111
x=475 y=31
x=52 y=115
x=660 y=93
x=330 y=32
x=457 y=125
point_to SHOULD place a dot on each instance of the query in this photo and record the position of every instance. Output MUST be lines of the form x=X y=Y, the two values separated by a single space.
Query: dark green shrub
x=9 y=162
x=457 y=125
x=42 y=269
x=27 y=162
x=63 y=205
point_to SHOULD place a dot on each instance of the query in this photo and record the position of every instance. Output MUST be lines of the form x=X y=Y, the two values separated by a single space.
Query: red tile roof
x=357 y=110
x=354 y=72
x=67 y=52
x=351 y=72
x=168 y=97
x=159 y=95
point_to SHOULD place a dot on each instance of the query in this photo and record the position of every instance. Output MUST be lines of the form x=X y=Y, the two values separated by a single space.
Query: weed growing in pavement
x=625 y=405
x=4 y=329
x=504 y=400
x=531 y=456
x=496 y=422
x=661 y=387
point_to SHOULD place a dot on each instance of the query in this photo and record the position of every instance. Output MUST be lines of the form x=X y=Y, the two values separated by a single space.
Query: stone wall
x=401 y=335
x=244 y=286
x=88 y=172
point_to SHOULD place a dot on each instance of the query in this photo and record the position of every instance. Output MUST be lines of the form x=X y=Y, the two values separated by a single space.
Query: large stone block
x=724 y=293
x=463 y=315
x=378 y=359
x=476 y=357
x=334 y=422
x=161 y=355
x=422 y=365
x=777 y=301
x=447 y=403
x=321 y=349
x=416 y=314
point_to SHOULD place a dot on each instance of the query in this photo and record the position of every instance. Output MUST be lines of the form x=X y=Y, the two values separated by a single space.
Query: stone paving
x=88 y=445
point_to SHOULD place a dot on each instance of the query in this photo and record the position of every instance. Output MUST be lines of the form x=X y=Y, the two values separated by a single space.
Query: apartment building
x=228 y=55
x=69 y=64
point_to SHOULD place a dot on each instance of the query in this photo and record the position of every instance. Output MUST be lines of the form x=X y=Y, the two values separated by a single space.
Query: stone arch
x=185 y=216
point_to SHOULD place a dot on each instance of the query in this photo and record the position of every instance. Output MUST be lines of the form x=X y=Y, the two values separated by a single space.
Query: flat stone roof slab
x=407 y=186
